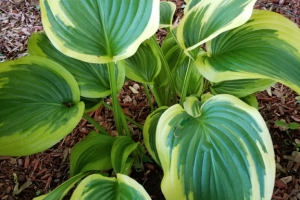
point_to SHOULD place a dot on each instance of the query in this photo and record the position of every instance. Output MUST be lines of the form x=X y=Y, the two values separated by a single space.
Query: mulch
x=30 y=176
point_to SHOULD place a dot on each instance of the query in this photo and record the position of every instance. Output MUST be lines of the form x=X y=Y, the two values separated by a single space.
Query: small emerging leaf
x=294 y=125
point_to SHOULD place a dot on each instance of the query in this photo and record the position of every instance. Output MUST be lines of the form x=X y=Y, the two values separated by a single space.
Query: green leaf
x=99 y=31
x=222 y=140
x=93 y=79
x=91 y=104
x=265 y=47
x=149 y=132
x=250 y=100
x=92 y=153
x=172 y=51
x=241 y=87
x=39 y=103
x=294 y=126
x=163 y=84
x=208 y=19
x=167 y=11
x=99 y=187
x=59 y=192
x=280 y=123
x=121 y=150
x=144 y=65
x=195 y=82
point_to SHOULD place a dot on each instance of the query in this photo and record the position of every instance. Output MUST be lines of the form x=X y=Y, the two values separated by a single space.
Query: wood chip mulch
x=30 y=176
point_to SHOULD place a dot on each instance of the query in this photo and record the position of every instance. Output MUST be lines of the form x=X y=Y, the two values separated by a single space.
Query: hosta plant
x=204 y=130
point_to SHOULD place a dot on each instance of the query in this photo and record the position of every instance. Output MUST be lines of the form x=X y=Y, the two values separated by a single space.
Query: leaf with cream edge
x=190 y=4
x=40 y=104
x=99 y=31
x=105 y=188
x=63 y=189
x=264 y=47
x=149 y=132
x=207 y=19
x=241 y=87
x=93 y=79
x=167 y=11
x=144 y=65
x=222 y=140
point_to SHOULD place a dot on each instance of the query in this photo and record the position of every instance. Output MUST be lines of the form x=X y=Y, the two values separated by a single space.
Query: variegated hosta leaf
x=241 y=87
x=93 y=79
x=121 y=150
x=190 y=4
x=149 y=131
x=196 y=79
x=144 y=65
x=91 y=104
x=167 y=10
x=218 y=149
x=99 y=31
x=39 y=103
x=59 y=192
x=92 y=153
x=208 y=18
x=99 y=187
x=267 y=46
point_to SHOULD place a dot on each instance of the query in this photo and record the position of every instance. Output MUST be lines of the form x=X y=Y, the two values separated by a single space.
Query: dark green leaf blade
x=92 y=153
x=122 y=148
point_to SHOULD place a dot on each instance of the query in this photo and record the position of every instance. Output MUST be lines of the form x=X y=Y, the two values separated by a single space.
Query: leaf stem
x=124 y=122
x=148 y=96
x=92 y=121
x=156 y=96
x=186 y=82
x=116 y=105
